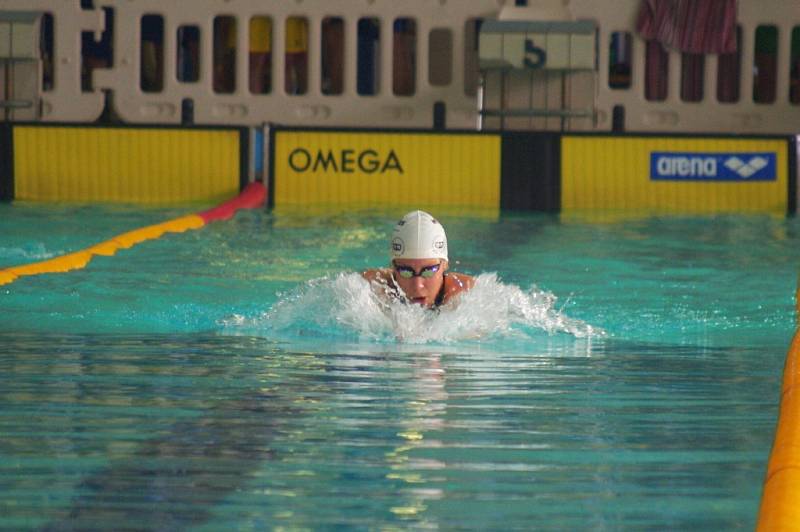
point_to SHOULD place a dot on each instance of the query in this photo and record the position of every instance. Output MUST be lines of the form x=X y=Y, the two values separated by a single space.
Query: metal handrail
x=16 y=104
x=563 y=113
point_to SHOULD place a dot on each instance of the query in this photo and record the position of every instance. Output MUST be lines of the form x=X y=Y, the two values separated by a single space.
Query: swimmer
x=418 y=272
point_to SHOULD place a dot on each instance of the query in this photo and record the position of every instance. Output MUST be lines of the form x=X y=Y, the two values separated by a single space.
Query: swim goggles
x=426 y=272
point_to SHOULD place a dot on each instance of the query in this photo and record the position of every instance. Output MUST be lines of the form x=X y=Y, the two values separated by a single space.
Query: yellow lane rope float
x=780 y=501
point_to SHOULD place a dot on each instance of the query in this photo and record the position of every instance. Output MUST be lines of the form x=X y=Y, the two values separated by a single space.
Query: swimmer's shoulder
x=455 y=283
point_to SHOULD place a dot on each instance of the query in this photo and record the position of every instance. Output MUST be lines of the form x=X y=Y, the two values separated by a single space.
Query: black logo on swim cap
x=438 y=244
x=397 y=246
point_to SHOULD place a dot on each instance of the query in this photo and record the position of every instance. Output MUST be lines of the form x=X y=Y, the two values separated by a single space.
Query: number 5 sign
x=534 y=57
x=554 y=45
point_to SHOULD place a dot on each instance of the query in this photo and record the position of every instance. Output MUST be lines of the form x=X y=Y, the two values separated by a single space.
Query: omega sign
x=344 y=161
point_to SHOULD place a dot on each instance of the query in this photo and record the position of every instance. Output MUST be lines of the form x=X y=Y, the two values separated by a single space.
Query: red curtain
x=694 y=27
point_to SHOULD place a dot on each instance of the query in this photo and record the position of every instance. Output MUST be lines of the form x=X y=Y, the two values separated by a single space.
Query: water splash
x=27 y=252
x=346 y=306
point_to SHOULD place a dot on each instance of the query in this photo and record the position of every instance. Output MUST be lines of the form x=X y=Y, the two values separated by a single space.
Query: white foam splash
x=31 y=251
x=345 y=305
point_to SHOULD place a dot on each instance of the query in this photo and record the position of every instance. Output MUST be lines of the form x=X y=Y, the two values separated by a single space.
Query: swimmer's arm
x=381 y=275
x=380 y=280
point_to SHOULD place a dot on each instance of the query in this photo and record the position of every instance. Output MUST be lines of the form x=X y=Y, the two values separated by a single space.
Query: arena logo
x=691 y=166
x=346 y=161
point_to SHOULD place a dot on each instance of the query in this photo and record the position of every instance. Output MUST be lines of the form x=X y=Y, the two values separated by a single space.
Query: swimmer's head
x=418 y=235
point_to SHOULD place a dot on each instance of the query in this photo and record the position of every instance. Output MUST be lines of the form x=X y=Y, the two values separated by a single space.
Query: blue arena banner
x=698 y=166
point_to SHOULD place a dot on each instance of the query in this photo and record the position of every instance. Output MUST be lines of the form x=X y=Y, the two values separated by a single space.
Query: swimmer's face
x=420 y=279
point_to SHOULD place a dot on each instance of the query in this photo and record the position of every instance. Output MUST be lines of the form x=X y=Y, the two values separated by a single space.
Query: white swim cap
x=418 y=235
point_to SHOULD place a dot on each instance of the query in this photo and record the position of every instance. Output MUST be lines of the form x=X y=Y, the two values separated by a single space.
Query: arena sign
x=689 y=166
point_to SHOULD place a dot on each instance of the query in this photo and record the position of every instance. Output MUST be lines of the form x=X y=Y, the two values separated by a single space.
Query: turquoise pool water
x=620 y=373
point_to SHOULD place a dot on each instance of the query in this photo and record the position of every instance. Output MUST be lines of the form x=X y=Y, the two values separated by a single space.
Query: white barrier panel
x=65 y=102
x=440 y=51
x=133 y=105
x=708 y=115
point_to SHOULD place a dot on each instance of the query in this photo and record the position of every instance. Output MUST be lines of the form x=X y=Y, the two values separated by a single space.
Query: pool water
x=605 y=373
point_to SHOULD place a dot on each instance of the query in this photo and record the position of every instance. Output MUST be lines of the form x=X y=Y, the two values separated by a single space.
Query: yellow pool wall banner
x=125 y=164
x=614 y=172
x=385 y=168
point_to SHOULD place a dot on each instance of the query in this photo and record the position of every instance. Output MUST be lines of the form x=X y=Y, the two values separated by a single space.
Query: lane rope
x=251 y=197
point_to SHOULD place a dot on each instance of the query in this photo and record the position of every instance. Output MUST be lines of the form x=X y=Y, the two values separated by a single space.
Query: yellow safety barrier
x=130 y=165
x=780 y=500
x=371 y=168
x=614 y=172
